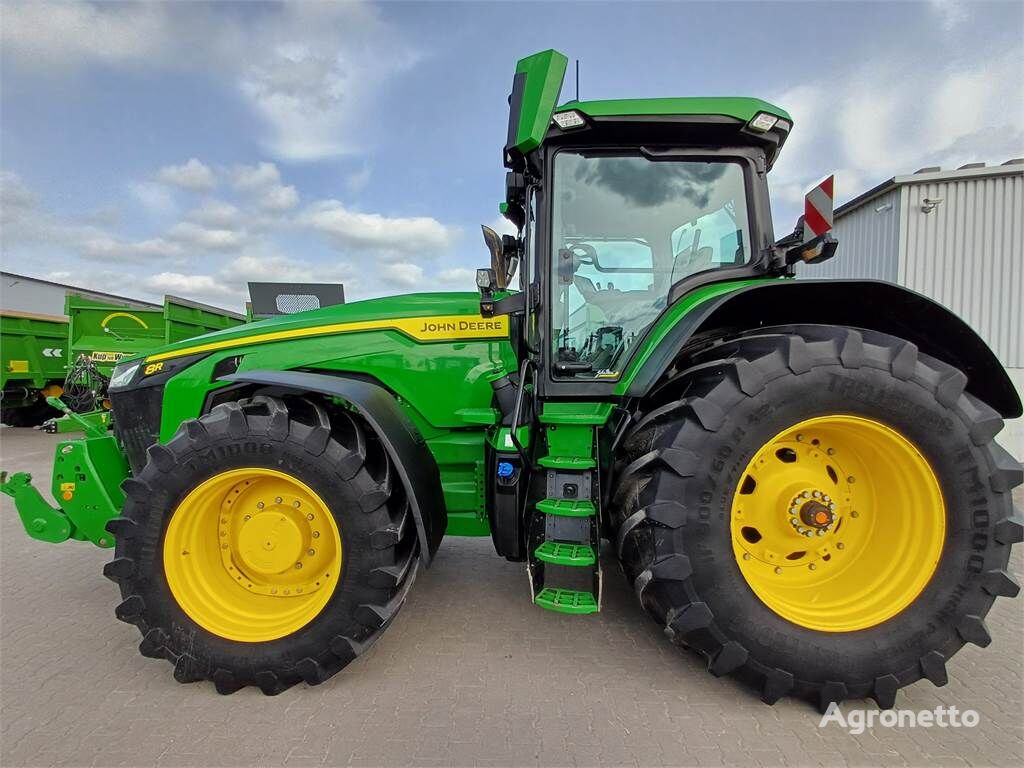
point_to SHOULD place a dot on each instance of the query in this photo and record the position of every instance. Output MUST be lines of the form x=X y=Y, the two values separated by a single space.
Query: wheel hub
x=808 y=532
x=812 y=513
x=252 y=554
x=269 y=542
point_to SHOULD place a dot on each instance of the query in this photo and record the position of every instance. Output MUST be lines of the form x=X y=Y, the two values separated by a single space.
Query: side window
x=624 y=229
x=711 y=241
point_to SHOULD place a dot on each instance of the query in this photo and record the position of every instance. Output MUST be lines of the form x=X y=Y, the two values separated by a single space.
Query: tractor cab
x=623 y=207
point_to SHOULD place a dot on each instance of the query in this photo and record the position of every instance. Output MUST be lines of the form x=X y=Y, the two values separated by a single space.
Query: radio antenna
x=577 y=79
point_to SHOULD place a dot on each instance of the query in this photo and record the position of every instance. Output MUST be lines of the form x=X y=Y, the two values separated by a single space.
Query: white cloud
x=890 y=119
x=107 y=248
x=206 y=286
x=228 y=286
x=202 y=238
x=403 y=274
x=392 y=237
x=192 y=175
x=458 y=279
x=156 y=199
x=65 y=35
x=216 y=213
x=262 y=183
x=311 y=71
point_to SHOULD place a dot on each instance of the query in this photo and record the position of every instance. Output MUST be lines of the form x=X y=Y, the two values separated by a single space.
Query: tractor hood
x=423 y=317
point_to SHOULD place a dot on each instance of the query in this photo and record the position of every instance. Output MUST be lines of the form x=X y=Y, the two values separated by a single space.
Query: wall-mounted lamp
x=930 y=204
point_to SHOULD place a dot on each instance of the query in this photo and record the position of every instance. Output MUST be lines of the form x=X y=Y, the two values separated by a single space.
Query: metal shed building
x=956 y=236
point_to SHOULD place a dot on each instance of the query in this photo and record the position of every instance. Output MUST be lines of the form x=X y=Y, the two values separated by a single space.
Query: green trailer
x=798 y=478
x=74 y=356
x=33 y=360
x=106 y=333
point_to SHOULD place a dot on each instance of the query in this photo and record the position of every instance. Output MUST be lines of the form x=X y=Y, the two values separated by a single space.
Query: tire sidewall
x=203 y=459
x=954 y=590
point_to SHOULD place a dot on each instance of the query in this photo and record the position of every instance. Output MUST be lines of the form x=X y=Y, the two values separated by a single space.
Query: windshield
x=624 y=230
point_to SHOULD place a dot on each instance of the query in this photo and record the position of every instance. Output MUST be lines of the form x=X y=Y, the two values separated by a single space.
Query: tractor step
x=566 y=601
x=565 y=553
x=567 y=507
x=570 y=463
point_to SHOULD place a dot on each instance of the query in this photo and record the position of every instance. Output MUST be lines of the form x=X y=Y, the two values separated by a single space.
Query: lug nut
x=816 y=494
x=778 y=570
x=800 y=438
x=248 y=517
x=812 y=567
x=277 y=500
x=316 y=534
x=309 y=516
x=298 y=566
x=851 y=479
x=310 y=552
x=259 y=505
x=855 y=514
x=831 y=451
x=746 y=555
x=840 y=545
x=296 y=503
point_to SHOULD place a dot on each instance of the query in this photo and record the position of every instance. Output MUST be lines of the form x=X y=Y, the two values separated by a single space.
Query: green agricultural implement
x=33 y=363
x=74 y=356
x=798 y=477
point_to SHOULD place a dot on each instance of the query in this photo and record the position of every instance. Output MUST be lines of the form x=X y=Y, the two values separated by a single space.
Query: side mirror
x=494 y=244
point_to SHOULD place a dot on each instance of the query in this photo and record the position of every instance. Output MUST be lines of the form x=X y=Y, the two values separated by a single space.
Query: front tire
x=714 y=567
x=267 y=543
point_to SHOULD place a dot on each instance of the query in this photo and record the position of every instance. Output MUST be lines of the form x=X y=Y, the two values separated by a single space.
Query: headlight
x=123 y=374
x=762 y=122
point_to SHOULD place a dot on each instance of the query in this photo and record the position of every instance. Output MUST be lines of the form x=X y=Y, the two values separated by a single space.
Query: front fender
x=869 y=304
x=405 y=446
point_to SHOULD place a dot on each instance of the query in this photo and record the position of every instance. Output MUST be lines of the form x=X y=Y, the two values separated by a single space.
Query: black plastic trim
x=405 y=445
x=870 y=304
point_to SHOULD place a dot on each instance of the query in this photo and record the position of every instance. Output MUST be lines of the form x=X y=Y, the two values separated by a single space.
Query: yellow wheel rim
x=252 y=554
x=838 y=523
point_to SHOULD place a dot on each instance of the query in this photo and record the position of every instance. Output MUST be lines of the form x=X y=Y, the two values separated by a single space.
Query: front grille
x=137 y=421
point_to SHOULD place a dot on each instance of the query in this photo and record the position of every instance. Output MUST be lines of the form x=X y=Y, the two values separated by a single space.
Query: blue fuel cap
x=505 y=469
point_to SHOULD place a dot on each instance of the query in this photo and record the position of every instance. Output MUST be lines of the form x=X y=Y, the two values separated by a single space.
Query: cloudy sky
x=187 y=148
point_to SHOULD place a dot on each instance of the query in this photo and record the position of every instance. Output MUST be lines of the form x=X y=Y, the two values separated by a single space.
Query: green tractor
x=798 y=477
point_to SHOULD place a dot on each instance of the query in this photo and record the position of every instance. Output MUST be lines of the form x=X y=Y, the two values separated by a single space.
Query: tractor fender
x=405 y=445
x=869 y=304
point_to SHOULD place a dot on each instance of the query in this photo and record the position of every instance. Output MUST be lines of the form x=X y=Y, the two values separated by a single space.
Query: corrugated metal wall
x=968 y=254
x=868 y=242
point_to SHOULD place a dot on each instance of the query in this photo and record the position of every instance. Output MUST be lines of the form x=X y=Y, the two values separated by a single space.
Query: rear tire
x=683 y=464
x=294 y=440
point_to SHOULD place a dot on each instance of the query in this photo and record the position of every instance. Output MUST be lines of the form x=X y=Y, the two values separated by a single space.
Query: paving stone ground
x=469 y=674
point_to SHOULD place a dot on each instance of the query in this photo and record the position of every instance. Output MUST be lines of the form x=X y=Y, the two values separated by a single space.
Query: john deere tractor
x=798 y=477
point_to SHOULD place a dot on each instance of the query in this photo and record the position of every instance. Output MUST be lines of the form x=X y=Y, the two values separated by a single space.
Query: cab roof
x=738 y=107
x=533 y=104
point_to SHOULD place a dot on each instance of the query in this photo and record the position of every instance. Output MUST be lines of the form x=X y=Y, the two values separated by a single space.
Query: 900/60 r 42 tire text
x=268 y=542
x=819 y=510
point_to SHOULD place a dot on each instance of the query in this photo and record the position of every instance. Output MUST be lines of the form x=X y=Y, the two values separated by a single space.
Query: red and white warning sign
x=818 y=209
